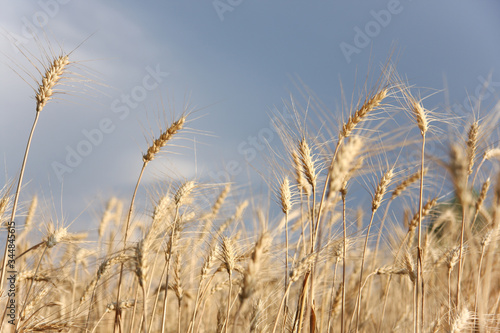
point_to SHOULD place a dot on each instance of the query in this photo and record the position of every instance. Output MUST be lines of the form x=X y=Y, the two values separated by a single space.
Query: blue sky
x=235 y=59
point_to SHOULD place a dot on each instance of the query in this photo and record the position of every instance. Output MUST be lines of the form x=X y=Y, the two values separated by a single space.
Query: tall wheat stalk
x=53 y=74
x=420 y=114
x=376 y=202
x=150 y=154
x=464 y=197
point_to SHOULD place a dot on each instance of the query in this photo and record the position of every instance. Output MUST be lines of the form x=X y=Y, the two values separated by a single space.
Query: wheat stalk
x=376 y=201
x=154 y=149
x=52 y=76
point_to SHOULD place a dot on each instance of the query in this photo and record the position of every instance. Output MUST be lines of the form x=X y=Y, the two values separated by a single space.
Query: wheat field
x=421 y=255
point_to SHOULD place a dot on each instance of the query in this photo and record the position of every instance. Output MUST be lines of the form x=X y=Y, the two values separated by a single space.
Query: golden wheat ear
x=52 y=76
x=163 y=139
x=46 y=88
x=370 y=104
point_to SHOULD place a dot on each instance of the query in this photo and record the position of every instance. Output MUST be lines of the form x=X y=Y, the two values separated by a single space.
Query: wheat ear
x=52 y=76
x=480 y=199
x=488 y=155
x=163 y=139
x=472 y=145
x=285 y=199
x=369 y=105
x=422 y=121
x=400 y=188
x=45 y=90
x=342 y=164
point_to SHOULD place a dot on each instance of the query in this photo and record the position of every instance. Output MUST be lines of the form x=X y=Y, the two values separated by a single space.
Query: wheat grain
x=285 y=196
x=485 y=241
x=482 y=194
x=103 y=270
x=308 y=165
x=183 y=192
x=407 y=182
x=163 y=139
x=302 y=267
x=492 y=153
x=368 y=106
x=52 y=76
x=459 y=170
x=220 y=200
x=426 y=209
x=472 y=145
x=382 y=188
x=299 y=173
x=343 y=164
x=228 y=253
x=421 y=116
x=125 y=304
x=461 y=321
